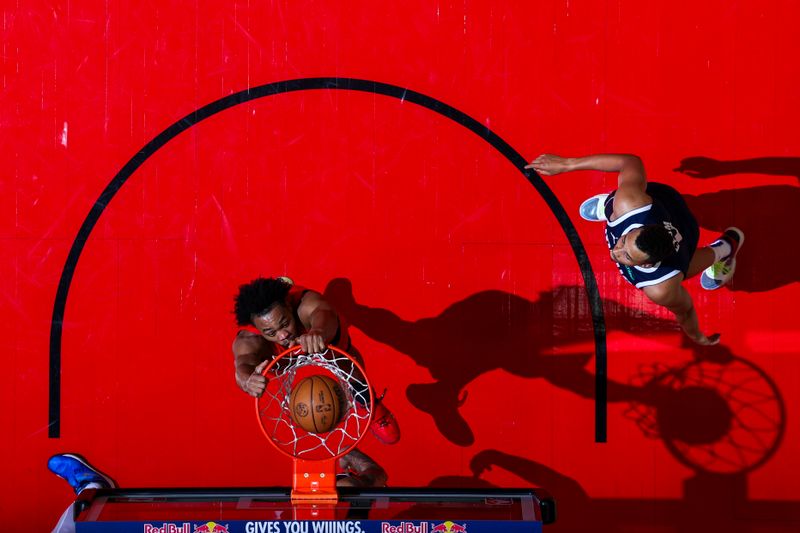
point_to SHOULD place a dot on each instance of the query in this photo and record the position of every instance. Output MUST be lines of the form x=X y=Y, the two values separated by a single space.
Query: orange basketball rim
x=314 y=454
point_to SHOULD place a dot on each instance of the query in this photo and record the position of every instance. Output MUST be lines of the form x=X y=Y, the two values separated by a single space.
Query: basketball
x=316 y=404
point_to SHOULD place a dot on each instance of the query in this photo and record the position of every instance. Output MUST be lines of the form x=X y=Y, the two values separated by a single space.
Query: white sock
x=721 y=248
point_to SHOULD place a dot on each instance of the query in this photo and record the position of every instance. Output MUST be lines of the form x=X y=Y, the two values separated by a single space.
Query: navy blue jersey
x=668 y=208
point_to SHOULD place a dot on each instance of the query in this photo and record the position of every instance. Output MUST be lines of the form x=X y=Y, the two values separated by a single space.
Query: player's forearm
x=673 y=296
x=243 y=371
x=245 y=362
x=690 y=324
x=326 y=323
x=604 y=162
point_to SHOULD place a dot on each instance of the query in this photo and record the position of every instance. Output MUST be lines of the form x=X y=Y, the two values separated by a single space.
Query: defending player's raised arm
x=631 y=182
x=550 y=164
x=249 y=361
x=320 y=320
x=629 y=166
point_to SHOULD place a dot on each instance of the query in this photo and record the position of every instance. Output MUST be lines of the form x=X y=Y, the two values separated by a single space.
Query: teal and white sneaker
x=722 y=271
x=593 y=209
x=78 y=473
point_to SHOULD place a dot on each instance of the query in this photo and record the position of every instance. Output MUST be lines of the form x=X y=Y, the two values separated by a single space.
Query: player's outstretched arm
x=674 y=297
x=631 y=182
x=628 y=164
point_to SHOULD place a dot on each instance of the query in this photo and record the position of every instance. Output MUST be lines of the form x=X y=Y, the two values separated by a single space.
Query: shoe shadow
x=769 y=258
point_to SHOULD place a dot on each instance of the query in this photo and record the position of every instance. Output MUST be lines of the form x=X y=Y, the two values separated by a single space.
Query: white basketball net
x=275 y=413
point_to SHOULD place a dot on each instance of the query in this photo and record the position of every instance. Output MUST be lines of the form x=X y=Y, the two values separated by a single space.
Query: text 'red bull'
x=186 y=527
x=405 y=527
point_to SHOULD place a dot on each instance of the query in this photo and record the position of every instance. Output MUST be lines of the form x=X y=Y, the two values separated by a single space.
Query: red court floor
x=150 y=163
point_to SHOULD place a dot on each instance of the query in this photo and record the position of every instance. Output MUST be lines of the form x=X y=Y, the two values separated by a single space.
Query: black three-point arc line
x=308 y=84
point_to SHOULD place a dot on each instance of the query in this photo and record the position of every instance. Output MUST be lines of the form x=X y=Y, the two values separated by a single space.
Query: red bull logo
x=168 y=528
x=405 y=527
x=210 y=527
x=449 y=527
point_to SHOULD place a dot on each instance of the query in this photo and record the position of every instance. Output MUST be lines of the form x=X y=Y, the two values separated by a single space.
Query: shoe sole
x=600 y=202
x=706 y=276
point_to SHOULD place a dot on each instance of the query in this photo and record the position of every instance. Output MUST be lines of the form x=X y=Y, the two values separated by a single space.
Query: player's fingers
x=303 y=342
x=261 y=366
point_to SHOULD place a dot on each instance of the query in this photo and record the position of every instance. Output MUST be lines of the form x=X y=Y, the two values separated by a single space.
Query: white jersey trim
x=647 y=270
x=629 y=214
x=659 y=280
x=630 y=229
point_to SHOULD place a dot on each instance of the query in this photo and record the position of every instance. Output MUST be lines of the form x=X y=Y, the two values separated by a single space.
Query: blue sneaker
x=722 y=271
x=593 y=209
x=77 y=472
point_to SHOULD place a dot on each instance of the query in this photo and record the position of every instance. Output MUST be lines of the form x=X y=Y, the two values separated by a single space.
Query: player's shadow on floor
x=770 y=257
x=493 y=330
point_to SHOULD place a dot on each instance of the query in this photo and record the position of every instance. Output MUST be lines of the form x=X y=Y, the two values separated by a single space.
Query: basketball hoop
x=314 y=454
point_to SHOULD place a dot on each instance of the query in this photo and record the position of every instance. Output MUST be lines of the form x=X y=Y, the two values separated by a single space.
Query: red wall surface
x=457 y=278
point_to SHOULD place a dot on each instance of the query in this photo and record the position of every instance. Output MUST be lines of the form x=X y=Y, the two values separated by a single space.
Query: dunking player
x=275 y=314
x=652 y=235
x=356 y=469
